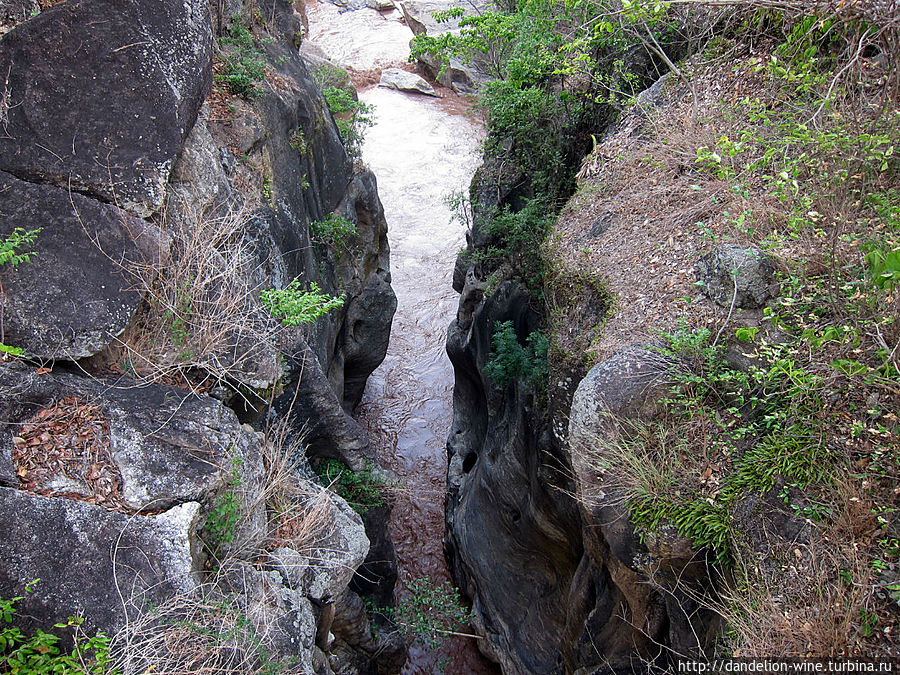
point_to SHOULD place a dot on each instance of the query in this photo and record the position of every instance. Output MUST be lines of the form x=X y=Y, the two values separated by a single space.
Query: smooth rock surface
x=394 y=78
x=74 y=296
x=103 y=94
x=511 y=533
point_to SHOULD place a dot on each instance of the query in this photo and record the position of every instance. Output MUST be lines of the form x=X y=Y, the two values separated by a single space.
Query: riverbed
x=422 y=150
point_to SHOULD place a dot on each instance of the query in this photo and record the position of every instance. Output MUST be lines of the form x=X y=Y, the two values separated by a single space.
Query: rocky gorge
x=671 y=431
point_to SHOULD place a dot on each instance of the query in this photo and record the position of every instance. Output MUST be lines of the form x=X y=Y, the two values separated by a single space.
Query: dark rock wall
x=107 y=136
x=560 y=580
x=512 y=536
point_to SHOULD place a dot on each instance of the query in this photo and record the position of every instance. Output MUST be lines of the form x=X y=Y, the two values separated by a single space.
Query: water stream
x=421 y=149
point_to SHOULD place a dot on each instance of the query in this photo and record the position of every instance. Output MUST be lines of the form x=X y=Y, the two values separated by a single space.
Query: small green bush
x=361 y=489
x=298 y=141
x=9 y=246
x=351 y=116
x=517 y=238
x=225 y=513
x=334 y=230
x=9 y=254
x=511 y=361
x=295 y=306
x=40 y=654
x=428 y=612
x=244 y=67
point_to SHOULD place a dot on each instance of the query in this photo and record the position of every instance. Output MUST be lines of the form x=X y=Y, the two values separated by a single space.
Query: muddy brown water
x=421 y=150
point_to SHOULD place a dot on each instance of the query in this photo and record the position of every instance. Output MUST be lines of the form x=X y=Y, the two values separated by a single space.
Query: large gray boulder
x=166 y=446
x=461 y=77
x=617 y=607
x=102 y=94
x=102 y=565
x=74 y=296
x=742 y=276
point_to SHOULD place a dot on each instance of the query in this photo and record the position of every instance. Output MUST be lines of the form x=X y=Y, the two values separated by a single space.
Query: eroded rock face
x=74 y=296
x=102 y=94
x=512 y=534
x=173 y=455
x=167 y=448
x=624 y=599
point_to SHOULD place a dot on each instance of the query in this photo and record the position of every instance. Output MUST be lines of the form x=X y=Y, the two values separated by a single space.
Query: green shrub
x=9 y=246
x=40 y=654
x=351 y=116
x=225 y=512
x=361 y=489
x=517 y=238
x=295 y=306
x=327 y=75
x=298 y=141
x=334 y=230
x=244 y=67
x=511 y=361
x=428 y=612
x=9 y=254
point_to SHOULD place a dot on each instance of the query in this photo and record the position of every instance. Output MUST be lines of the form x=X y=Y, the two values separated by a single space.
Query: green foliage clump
x=298 y=141
x=295 y=306
x=327 y=75
x=351 y=116
x=428 y=612
x=244 y=67
x=40 y=654
x=511 y=361
x=707 y=524
x=9 y=246
x=361 y=489
x=225 y=512
x=334 y=230
x=763 y=423
x=516 y=239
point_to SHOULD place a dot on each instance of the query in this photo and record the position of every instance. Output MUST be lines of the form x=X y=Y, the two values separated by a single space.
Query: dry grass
x=5 y=104
x=230 y=623
x=201 y=315
x=632 y=459
x=819 y=604
x=300 y=511
x=205 y=632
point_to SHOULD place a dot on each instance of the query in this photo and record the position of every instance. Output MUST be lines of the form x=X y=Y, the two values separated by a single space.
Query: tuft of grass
x=201 y=315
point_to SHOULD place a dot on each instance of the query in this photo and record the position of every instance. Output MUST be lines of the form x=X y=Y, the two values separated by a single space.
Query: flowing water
x=421 y=149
